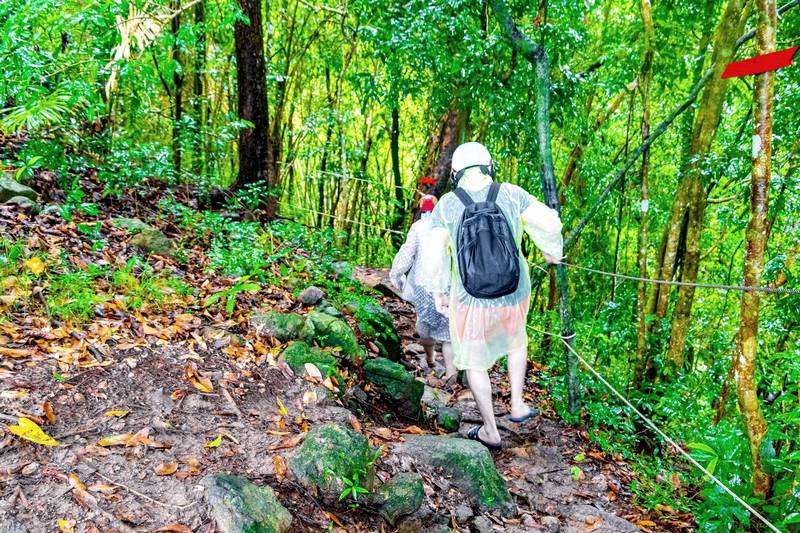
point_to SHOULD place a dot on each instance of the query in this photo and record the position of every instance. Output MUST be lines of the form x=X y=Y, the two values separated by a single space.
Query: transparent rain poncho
x=405 y=275
x=483 y=330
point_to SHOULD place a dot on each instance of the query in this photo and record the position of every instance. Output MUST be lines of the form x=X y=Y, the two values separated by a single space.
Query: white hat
x=469 y=155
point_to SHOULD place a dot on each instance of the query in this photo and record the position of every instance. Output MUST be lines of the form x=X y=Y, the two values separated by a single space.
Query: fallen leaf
x=309 y=397
x=281 y=408
x=28 y=430
x=175 y=528
x=35 y=265
x=116 y=412
x=15 y=352
x=116 y=440
x=313 y=372
x=47 y=407
x=646 y=523
x=215 y=443
x=102 y=488
x=289 y=443
x=177 y=394
x=75 y=482
x=166 y=469
x=66 y=526
x=355 y=423
x=415 y=430
x=280 y=467
x=198 y=381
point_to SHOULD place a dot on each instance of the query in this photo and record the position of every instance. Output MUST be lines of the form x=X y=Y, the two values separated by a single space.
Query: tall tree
x=538 y=58
x=745 y=357
x=177 y=83
x=255 y=150
x=199 y=148
x=646 y=77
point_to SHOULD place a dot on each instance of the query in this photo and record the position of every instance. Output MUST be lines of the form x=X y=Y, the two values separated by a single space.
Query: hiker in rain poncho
x=432 y=326
x=484 y=330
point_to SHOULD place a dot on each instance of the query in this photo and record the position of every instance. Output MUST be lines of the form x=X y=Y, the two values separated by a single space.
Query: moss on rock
x=397 y=384
x=152 y=241
x=466 y=462
x=329 y=331
x=239 y=506
x=283 y=326
x=401 y=496
x=377 y=325
x=329 y=455
x=299 y=353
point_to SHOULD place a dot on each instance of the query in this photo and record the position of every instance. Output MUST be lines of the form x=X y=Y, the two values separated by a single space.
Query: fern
x=45 y=112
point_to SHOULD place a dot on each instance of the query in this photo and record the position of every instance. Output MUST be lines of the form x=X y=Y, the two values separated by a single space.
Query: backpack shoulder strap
x=494 y=189
x=463 y=196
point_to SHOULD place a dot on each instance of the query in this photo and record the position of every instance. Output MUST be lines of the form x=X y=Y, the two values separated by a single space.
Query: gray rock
x=415 y=348
x=152 y=241
x=481 y=524
x=12 y=525
x=397 y=384
x=330 y=454
x=466 y=463
x=462 y=513
x=324 y=306
x=22 y=202
x=605 y=521
x=133 y=225
x=310 y=296
x=283 y=326
x=10 y=188
x=401 y=496
x=239 y=506
x=551 y=524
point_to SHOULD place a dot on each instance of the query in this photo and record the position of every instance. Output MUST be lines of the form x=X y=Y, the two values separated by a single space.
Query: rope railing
x=652 y=425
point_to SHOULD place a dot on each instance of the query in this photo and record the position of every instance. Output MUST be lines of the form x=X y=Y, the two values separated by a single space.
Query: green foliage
x=229 y=294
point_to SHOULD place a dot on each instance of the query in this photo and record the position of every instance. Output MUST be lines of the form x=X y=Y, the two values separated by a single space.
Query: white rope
x=346 y=220
x=655 y=428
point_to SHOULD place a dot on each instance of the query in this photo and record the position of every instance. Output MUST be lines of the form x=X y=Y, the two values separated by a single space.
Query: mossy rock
x=401 y=496
x=152 y=241
x=467 y=463
x=239 y=506
x=24 y=203
x=397 y=384
x=9 y=188
x=283 y=326
x=133 y=225
x=377 y=325
x=448 y=418
x=299 y=353
x=330 y=454
x=328 y=331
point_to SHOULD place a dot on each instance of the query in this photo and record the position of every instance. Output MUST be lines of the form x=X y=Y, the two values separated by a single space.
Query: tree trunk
x=441 y=144
x=644 y=88
x=177 y=81
x=745 y=356
x=537 y=56
x=255 y=151
x=704 y=132
x=399 y=199
x=198 y=89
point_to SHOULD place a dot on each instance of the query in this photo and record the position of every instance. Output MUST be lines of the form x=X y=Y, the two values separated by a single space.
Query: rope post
x=571 y=377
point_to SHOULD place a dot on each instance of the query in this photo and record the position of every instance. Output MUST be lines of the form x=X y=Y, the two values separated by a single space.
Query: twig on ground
x=145 y=496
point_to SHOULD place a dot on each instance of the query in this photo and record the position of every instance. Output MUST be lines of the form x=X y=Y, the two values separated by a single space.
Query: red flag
x=760 y=64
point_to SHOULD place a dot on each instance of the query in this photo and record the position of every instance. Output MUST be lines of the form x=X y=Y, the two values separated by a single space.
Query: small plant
x=230 y=294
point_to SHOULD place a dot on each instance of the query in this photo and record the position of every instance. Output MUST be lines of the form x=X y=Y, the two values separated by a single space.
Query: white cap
x=469 y=155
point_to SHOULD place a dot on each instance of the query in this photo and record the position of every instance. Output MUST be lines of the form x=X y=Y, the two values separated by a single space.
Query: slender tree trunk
x=255 y=152
x=705 y=129
x=746 y=347
x=198 y=89
x=641 y=300
x=537 y=56
x=323 y=176
x=399 y=199
x=177 y=81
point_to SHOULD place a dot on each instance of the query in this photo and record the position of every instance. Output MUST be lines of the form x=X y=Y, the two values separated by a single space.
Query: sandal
x=473 y=434
x=519 y=420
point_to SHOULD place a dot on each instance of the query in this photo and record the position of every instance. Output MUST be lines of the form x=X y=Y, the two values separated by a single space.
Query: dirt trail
x=561 y=483
x=136 y=437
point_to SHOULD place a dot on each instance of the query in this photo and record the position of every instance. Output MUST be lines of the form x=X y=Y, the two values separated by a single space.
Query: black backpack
x=488 y=258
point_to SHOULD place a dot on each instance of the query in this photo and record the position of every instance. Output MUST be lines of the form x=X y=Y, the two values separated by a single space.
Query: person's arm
x=543 y=225
x=404 y=259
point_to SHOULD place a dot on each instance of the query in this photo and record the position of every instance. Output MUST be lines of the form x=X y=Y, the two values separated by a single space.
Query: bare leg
x=481 y=387
x=428 y=344
x=447 y=352
x=517 y=368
